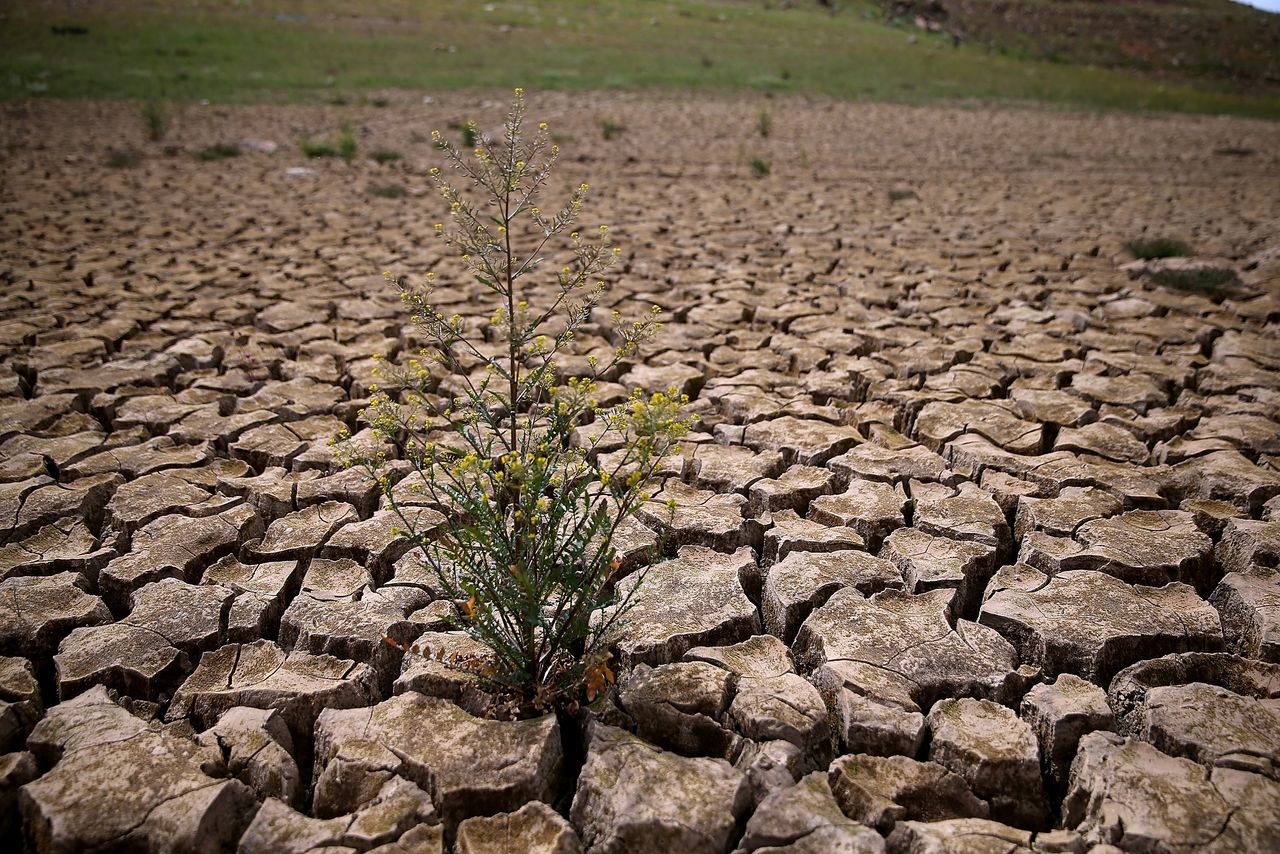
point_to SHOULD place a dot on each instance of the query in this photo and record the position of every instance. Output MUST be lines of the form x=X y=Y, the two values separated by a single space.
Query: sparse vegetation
x=156 y=117
x=764 y=122
x=1148 y=249
x=609 y=129
x=467 y=132
x=760 y=168
x=345 y=146
x=386 y=191
x=527 y=555
x=317 y=148
x=902 y=195
x=1212 y=281
x=218 y=151
x=385 y=156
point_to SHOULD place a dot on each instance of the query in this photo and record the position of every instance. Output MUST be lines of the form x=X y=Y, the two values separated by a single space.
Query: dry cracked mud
x=977 y=534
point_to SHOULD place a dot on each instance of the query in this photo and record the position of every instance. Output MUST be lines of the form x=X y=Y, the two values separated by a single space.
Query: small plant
x=218 y=151
x=1148 y=249
x=379 y=102
x=760 y=168
x=347 y=145
x=527 y=557
x=385 y=156
x=1204 y=280
x=123 y=158
x=609 y=129
x=79 y=194
x=764 y=122
x=317 y=148
x=467 y=131
x=156 y=118
x=902 y=195
x=386 y=191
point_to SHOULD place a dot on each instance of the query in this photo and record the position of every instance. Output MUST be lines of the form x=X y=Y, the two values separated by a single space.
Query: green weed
x=347 y=145
x=1147 y=249
x=317 y=148
x=156 y=117
x=526 y=552
x=467 y=131
x=1205 y=280
x=218 y=151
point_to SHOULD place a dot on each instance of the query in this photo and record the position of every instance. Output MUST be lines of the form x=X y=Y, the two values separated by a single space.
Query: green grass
x=344 y=147
x=385 y=156
x=1204 y=280
x=317 y=148
x=307 y=50
x=155 y=117
x=1158 y=247
x=218 y=151
x=764 y=122
x=467 y=133
x=760 y=168
x=347 y=145
x=609 y=128
x=902 y=195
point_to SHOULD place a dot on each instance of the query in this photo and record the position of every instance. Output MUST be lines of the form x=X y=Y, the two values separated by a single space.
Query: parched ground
x=976 y=537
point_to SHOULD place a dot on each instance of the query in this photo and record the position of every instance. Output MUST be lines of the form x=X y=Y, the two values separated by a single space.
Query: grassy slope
x=1177 y=39
x=300 y=49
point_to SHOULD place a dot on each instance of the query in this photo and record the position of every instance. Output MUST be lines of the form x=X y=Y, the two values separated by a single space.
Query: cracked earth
x=976 y=538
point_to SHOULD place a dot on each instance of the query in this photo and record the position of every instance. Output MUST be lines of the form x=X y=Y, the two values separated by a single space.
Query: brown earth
x=977 y=532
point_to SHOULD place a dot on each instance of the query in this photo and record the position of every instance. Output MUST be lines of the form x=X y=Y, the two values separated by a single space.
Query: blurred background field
x=1212 y=56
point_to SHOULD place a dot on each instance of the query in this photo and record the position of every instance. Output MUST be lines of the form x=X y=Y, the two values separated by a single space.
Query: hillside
x=1183 y=39
x=328 y=50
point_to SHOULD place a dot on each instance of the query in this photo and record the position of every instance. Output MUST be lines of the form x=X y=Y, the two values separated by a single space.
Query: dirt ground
x=977 y=531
